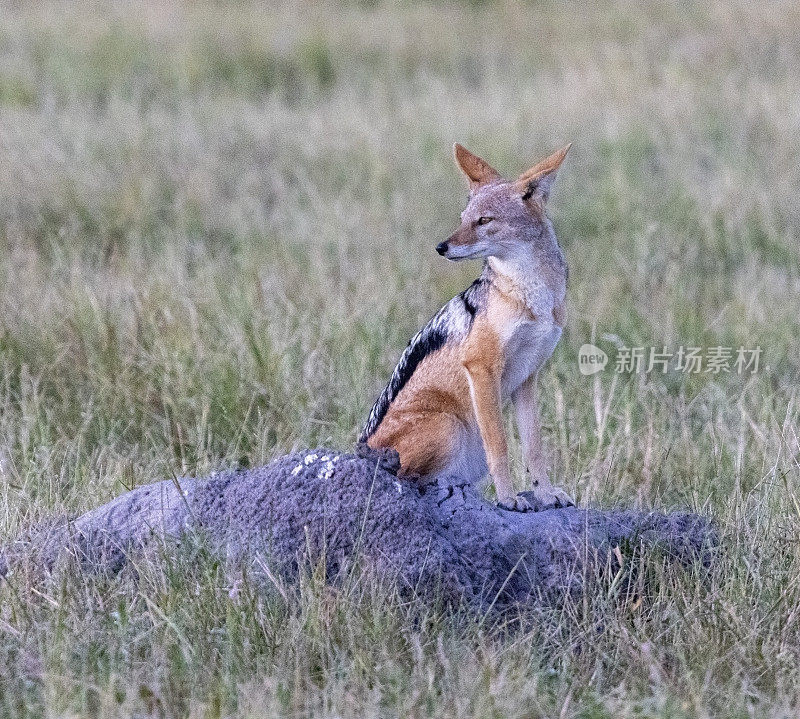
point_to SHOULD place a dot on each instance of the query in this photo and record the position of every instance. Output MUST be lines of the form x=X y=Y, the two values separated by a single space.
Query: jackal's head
x=503 y=218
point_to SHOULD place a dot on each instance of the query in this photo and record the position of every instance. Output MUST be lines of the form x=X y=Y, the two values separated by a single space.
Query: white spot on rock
x=327 y=471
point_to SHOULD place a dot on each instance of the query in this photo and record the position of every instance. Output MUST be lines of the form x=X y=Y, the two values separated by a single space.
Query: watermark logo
x=591 y=359
x=660 y=360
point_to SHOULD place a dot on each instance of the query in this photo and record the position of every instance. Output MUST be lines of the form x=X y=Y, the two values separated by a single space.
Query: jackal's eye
x=483 y=220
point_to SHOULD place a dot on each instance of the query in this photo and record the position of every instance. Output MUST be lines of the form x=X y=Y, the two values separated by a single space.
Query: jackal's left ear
x=537 y=181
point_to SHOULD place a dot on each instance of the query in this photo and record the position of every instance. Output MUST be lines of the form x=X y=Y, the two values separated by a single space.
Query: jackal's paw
x=515 y=504
x=541 y=498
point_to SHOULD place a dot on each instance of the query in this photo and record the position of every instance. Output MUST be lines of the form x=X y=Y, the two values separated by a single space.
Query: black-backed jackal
x=442 y=408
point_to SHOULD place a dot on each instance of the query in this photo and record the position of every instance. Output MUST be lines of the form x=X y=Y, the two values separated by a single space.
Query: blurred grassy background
x=217 y=225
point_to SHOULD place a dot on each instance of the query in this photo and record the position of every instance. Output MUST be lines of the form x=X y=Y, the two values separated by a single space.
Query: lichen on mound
x=338 y=508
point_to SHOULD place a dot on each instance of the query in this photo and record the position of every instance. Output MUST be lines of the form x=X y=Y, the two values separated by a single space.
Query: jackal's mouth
x=464 y=253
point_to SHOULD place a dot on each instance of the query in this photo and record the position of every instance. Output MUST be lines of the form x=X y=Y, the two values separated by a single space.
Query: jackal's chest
x=528 y=346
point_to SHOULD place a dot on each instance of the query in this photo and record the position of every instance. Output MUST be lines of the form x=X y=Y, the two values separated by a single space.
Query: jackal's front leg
x=541 y=490
x=484 y=384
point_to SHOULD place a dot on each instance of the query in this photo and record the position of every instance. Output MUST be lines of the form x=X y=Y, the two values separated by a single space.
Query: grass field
x=217 y=225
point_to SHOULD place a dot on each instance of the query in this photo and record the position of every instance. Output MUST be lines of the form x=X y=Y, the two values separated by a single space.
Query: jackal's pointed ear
x=538 y=181
x=478 y=171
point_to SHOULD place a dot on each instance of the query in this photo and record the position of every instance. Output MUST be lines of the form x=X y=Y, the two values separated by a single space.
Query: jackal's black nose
x=441 y=248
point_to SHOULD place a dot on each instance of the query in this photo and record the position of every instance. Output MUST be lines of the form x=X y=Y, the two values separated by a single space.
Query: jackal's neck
x=526 y=276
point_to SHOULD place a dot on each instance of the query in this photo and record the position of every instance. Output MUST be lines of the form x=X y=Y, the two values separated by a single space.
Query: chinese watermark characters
x=660 y=360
